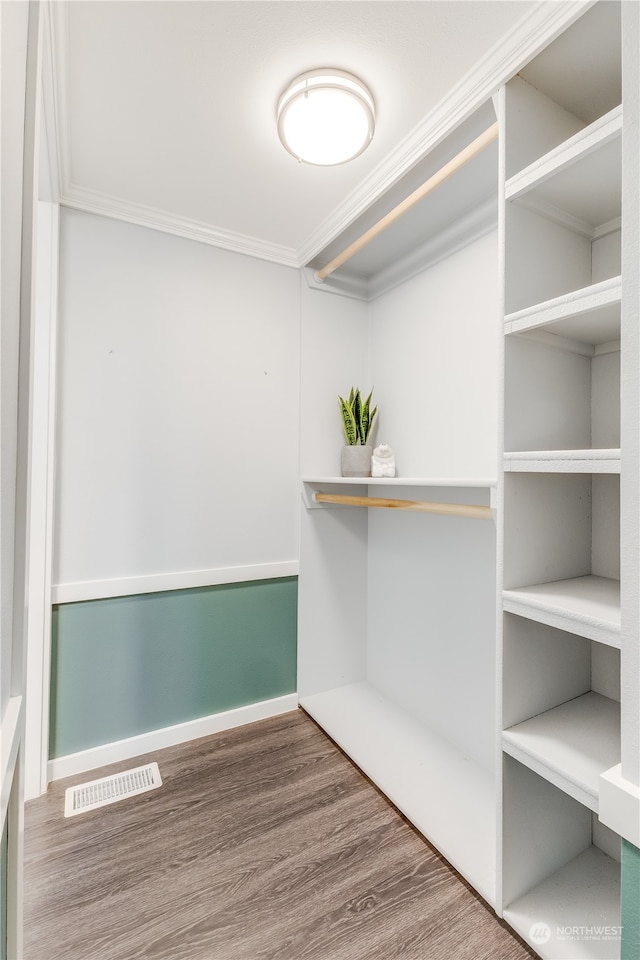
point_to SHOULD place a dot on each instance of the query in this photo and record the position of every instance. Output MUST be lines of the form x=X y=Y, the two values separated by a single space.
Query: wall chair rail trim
x=76 y=592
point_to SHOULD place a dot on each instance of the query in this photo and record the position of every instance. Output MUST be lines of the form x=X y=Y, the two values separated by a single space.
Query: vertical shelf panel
x=563 y=462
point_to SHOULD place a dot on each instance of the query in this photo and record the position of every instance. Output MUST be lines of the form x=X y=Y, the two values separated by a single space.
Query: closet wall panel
x=178 y=405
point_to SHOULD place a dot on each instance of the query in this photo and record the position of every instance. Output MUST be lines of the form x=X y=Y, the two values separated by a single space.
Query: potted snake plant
x=357 y=423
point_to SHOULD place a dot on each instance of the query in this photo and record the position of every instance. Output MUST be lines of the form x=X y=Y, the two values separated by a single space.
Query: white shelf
x=447 y=796
x=590 y=315
x=470 y=482
x=588 y=606
x=582 y=177
x=584 y=894
x=563 y=461
x=571 y=745
x=564 y=156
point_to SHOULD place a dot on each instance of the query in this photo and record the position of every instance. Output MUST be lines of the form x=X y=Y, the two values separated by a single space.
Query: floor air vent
x=98 y=793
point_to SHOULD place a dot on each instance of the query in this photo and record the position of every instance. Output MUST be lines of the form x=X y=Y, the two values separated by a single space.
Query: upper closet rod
x=475 y=511
x=469 y=152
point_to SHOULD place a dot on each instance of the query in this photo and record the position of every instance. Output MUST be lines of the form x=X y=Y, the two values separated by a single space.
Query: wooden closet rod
x=469 y=152
x=475 y=511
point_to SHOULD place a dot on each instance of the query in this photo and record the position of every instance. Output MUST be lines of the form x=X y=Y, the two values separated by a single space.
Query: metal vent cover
x=98 y=793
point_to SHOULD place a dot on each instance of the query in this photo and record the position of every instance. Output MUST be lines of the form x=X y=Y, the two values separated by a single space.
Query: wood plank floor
x=264 y=842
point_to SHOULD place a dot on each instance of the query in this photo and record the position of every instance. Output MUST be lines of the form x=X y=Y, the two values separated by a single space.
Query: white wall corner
x=619 y=805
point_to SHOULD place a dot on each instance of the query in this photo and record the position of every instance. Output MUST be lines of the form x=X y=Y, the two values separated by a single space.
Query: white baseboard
x=86 y=760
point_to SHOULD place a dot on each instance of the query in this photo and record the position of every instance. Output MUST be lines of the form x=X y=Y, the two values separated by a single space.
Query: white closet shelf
x=447 y=796
x=470 y=482
x=574 y=902
x=588 y=606
x=602 y=131
x=590 y=315
x=563 y=461
x=570 y=745
x=585 y=197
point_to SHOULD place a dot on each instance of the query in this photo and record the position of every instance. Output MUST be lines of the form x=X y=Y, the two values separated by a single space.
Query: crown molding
x=526 y=39
x=91 y=201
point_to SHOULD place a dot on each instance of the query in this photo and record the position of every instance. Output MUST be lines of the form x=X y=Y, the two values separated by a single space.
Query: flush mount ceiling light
x=326 y=117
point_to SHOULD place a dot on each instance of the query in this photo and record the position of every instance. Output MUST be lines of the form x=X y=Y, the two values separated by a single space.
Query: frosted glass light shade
x=326 y=117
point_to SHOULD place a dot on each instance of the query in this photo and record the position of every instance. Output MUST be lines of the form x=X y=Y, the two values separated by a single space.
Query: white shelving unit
x=560 y=497
x=405 y=658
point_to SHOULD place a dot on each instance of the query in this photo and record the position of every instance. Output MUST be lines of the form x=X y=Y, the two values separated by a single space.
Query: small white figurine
x=383 y=463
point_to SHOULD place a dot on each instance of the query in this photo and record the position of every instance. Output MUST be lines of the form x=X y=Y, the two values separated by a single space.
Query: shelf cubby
x=564 y=176
x=552 y=252
x=580 y=182
x=569 y=86
x=563 y=218
x=561 y=527
x=559 y=397
x=560 y=705
x=580 y=904
x=561 y=871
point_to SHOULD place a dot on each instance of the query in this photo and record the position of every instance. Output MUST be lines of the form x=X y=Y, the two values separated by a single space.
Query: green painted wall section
x=3 y=892
x=129 y=665
x=630 y=902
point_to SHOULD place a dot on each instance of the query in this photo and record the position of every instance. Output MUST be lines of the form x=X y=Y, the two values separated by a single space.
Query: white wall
x=178 y=405
x=328 y=372
x=434 y=363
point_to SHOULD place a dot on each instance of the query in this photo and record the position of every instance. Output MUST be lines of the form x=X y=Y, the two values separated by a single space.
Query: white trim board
x=620 y=804
x=137 y=746
x=41 y=501
x=79 y=591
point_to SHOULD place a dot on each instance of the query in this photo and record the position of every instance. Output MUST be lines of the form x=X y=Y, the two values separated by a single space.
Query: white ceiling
x=169 y=107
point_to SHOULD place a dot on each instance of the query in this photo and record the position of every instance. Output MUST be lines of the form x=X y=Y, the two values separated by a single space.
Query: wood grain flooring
x=264 y=843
